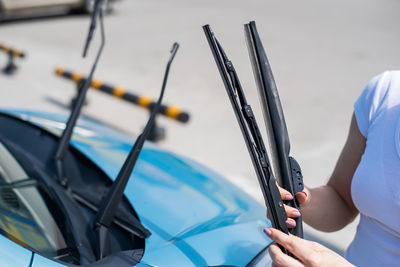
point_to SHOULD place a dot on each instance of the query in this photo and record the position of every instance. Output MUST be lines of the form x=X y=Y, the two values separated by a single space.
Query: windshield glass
x=24 y=215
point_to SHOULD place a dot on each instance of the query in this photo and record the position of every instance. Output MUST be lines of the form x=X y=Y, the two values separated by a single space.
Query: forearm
x=327 y=211
x=331 y=207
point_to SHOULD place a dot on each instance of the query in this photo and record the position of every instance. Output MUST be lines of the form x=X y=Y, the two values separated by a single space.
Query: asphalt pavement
x=322 y=54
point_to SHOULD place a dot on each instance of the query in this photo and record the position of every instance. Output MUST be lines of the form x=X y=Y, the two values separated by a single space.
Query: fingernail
x=288 y=197
x=295 y=213
x=290 y=223
x=267 y=232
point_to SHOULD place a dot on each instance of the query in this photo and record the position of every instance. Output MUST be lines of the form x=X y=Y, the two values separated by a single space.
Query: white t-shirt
x=375 y=188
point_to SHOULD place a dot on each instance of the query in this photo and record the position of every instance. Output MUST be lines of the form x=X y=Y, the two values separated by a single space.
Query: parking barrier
x=157 y=133
x=171 y=112
x=12 y=53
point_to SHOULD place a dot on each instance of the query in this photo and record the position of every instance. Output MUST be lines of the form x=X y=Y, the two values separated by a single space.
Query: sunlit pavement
x=322 y=54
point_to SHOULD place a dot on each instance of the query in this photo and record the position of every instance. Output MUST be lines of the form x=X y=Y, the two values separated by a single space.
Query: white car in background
x=18 y=8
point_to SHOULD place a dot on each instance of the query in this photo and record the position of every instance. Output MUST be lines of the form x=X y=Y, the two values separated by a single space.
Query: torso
x=375 y=187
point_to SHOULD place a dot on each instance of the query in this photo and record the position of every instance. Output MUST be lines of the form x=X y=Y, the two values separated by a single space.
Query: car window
x=24 y=215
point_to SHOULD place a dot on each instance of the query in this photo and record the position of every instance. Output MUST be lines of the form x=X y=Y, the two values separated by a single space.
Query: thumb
x=304 y=196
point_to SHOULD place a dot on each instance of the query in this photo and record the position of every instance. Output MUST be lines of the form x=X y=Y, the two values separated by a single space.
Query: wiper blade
x=110 y=202
x=76 y=109
x=286 y=169
x=250 y=132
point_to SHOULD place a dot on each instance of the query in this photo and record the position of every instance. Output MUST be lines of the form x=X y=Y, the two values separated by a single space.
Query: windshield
x=24 y=215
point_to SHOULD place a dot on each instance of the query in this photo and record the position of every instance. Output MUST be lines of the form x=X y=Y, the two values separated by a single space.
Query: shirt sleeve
x=367 y=105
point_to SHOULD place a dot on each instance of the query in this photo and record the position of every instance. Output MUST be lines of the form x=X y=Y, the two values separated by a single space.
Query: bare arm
x=331 y=207
x=326 y=208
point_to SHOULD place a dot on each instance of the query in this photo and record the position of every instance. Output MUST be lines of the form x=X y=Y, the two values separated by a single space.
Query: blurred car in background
x=23 y=8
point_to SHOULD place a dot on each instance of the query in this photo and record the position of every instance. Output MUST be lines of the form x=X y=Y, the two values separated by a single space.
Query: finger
x=292 y=212
x=290 y=223
x=285 y=195
x=280 y=259
x=298 y=246
x=304 y=196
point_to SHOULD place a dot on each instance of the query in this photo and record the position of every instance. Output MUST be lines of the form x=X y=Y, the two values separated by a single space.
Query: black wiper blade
x=76 y=109
x=250 y=132
x=286 y=169
x=110 y=202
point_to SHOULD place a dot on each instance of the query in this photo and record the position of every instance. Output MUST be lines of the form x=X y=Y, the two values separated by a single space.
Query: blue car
x=175 y=212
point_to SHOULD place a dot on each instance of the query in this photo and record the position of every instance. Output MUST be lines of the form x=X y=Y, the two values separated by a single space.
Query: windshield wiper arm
x=110 y=202
x=76 y=109
x=28 y=182
x=287 y=170
x=251 y=133
x=98 y=4
x=124 y=220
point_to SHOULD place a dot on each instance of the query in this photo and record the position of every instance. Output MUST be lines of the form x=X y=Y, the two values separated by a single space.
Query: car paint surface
x=196 y=217
x=12 y=255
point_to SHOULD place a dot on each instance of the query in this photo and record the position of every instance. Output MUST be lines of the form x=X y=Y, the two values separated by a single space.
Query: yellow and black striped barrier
x=172 y=112
x=12 y=53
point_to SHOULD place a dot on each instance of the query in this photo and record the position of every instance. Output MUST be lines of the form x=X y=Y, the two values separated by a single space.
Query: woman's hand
x=308 y=253
x=302 y=197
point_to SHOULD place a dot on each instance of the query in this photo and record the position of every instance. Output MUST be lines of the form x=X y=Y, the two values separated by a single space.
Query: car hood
x=197 y=218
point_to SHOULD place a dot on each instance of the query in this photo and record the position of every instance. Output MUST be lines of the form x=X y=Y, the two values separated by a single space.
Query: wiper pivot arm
x=20 y=184
x=124 y=220
x=76 y=109
x=110 y=202
x=97 y=10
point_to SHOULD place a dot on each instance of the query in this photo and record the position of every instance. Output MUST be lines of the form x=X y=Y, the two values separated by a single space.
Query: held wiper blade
x=76 y=109
x=110 y=202
x=286 y=169
x=250 y=132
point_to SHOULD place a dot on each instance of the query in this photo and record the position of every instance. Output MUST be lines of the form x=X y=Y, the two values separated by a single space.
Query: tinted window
x=24 y=215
